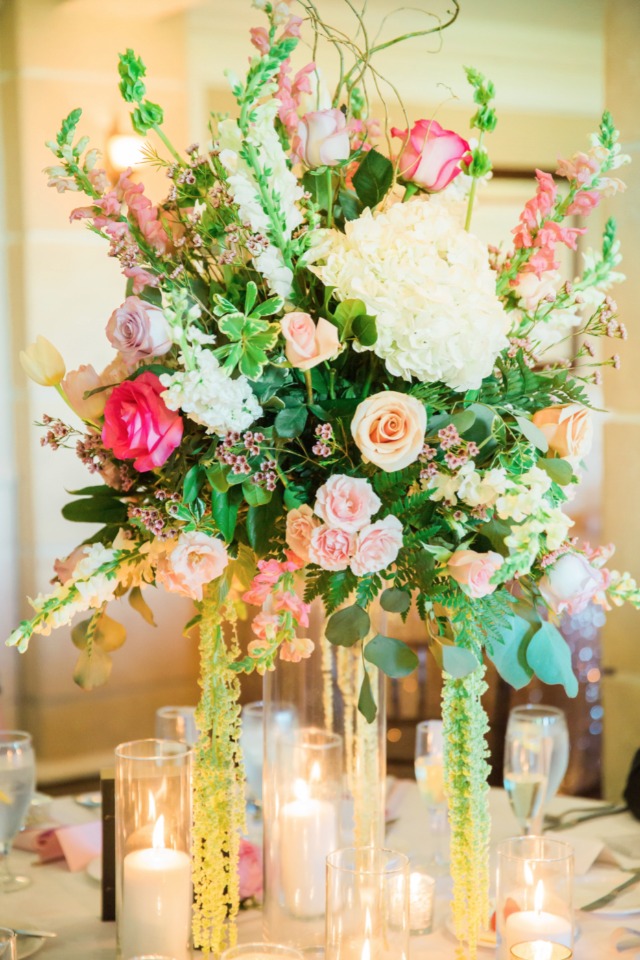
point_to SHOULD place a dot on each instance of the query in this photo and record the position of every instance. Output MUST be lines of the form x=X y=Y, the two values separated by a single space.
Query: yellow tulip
x=43 y=363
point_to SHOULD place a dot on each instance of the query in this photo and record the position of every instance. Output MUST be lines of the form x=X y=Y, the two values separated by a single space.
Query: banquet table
x=69 y=903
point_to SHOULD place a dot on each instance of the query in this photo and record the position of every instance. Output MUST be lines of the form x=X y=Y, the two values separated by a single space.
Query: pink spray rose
x=138 y=425
x=473 y=571
x=308 y=343
x=81 y=381
x=331 y=548
x=571 y=583
x=377 y=546
x=346 y=502
x=323 y=138
x=250 y=869
x=431 y=156
x=139 y=330
x=195 y=561
x=300 y=525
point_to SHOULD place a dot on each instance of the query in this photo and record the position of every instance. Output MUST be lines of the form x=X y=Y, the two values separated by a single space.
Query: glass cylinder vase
x=153 y=849
x=314 y=698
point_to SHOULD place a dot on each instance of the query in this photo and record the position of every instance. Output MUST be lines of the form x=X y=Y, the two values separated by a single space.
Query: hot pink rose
x=346 y=502
x=331 y=548
x=81 y=381
x=377 y=546
x=249 y=869
x=473 y=571
x=300 y=525
x=431 y=156
x=571 y=583
x=323 y=138
x=195 y=561
x=138 y=425
x=139 y=330
x=308 y=343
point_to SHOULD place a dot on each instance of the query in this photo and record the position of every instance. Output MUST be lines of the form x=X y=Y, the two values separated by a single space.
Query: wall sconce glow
x=125 y=150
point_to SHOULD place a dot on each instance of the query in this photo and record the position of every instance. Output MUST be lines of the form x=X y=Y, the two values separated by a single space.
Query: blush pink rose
x=138 y=425
x=388 y=429
x=81 y=381
x=431 y=156
x=300 y=525
x=139 y=330
x=377 y=546
x=346 y=502
x=195 y=561
x=571 y=583
x=249 y=869
x=308 y=343
x=331 y=548
x=473 y=571
x=323 y=138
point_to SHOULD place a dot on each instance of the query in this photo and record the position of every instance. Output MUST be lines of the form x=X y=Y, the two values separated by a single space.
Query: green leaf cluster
x=146 y=115
x=373 y=179
x=250 y=337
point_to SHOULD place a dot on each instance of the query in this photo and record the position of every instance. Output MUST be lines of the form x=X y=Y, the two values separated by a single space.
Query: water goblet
x=429 y=769
x=526 y=770
x=17 y=783
x=8 y=944
x=177 y=723
x=553 y=724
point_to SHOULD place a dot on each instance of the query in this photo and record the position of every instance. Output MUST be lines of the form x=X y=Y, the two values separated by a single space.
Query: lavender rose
x=139 y=330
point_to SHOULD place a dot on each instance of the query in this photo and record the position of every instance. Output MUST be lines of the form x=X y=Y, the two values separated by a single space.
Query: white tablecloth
x=69 y=903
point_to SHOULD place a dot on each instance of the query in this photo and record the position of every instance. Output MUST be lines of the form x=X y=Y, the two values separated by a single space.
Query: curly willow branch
x=218 y=784
x=466 y=771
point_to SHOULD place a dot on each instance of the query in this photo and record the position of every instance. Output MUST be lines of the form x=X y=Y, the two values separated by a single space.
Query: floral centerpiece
x=322 y=374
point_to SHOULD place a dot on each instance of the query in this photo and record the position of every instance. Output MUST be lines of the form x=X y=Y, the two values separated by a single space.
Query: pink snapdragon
x=260 y=39
x=583 y=167
x=583 y=203
x=285 y=600
x=141 y=278
x=296 y=649
x=537 y=232
x=270 y=572
x=289 y=93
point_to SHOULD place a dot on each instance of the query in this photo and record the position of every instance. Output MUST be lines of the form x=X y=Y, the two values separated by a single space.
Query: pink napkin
x=77 y=845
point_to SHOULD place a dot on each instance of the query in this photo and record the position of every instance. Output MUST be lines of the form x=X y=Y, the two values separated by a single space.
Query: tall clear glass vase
x=323 y=780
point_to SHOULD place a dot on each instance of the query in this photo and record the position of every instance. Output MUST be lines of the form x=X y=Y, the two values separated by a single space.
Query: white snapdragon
x=524 y=498
x=428 y=283
x=208 y=395
x=94 y=557
x=556 y=526
x=481 y=489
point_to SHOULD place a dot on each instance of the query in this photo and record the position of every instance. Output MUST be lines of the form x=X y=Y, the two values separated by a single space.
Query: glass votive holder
x=534 y=893
x=177 y=723
x=8 y=944
x=153 y=849
x=540 y=950
x=367 y=905
x=261 y=951
x=422 y=892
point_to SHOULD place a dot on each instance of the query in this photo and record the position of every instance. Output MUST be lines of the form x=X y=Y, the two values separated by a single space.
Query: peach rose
x=568 y=429
x=388 y=429
x=300 y=525
x=331 y=548
x=571 y=583
x=346 y=502
x=81 y=381
x=308 y=344
x=194 y=562
x=377 y=546
x=473 y=571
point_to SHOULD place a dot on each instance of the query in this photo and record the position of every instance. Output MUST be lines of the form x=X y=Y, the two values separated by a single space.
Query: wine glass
x=252 y=744
x=553 y=724
x=17 y=782
x=177 y=723
x=8 y=948
x=526 y=767
x=429 y=768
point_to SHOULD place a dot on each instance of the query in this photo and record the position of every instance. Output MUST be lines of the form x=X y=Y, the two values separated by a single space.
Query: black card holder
x=107 y=789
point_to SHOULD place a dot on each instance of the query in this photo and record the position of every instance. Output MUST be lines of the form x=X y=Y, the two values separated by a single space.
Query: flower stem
x=329 y=176
x=474 y=185
x=172 y=150
x=307 y=379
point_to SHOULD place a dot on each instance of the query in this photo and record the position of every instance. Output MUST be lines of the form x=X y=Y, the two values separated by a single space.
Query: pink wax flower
x=296 y=649
x=473 y=571
x=571 y=583
x=346 y=502
x=195 y=561
x=431 y=155
x=331 y=548
x=138 y=425
x=308 y=343
x=323 y=138
x=377 y=546
x=299 y=610
x=249 y=869
x=139 y=330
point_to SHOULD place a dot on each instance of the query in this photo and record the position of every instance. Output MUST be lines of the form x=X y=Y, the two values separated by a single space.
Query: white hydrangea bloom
x=429 y=284
x=209 y=396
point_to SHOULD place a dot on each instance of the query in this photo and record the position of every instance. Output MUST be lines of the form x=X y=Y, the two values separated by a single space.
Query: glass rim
x=172 y=711
x=275 y=949
x=523 y=955
x=14 y=736
x=296 y=739
x=126 y=751
x=254 y=706
x=545 y=712
x=402 y=866
x=422 y=724
x=10 y=931
x=564 y=850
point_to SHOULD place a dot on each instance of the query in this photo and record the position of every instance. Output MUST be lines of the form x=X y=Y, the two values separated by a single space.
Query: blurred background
x=556 y=64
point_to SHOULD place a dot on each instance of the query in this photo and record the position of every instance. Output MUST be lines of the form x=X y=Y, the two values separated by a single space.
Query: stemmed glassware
x=547 y=726
x=17 y=782
x=177 y=723
x=8 y=948
x=429 y=769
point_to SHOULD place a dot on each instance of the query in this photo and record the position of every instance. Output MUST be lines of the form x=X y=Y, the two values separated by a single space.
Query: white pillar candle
x=308 y=834
x=156 y=902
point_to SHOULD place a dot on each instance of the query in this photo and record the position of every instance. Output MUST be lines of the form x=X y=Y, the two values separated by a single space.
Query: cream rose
x=473 y=571
x=571 y=583
x=568 y=429
x=195 y=561
x=388 y=429
x=308 y=343
x=300 y=525
x=347 y=503
x=377 y=546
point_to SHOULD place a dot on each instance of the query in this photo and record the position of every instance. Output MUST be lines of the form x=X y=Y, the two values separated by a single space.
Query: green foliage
x=366 y=701
x=65 y=135
x=394 y=600
x=291 y=421
x=141 y=606
x=250 y=337
x=560 y=471
x=96 y=638
x=549 y=657
x=392 y=656
x=483 y=93
x=373 y=178
x=146 y=115
x=607 y=133
x=99 y=506
x=345 y=627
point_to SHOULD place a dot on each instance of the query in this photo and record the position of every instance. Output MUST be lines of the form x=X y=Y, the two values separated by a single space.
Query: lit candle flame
x=538 y=897
x=366 y=946
x=316 y=773
x=157 y=838
x=301 y=790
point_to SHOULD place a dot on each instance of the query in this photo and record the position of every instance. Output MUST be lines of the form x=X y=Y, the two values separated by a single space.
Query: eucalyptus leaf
x=533 y=434
x=345 y=627
x=139 y=604
x=366 y=702
x=92 y=668
x=510 y=656
x=392 y=656
x=394 y=600
x=560 y=471
x=458 y=662
x=549 y=657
